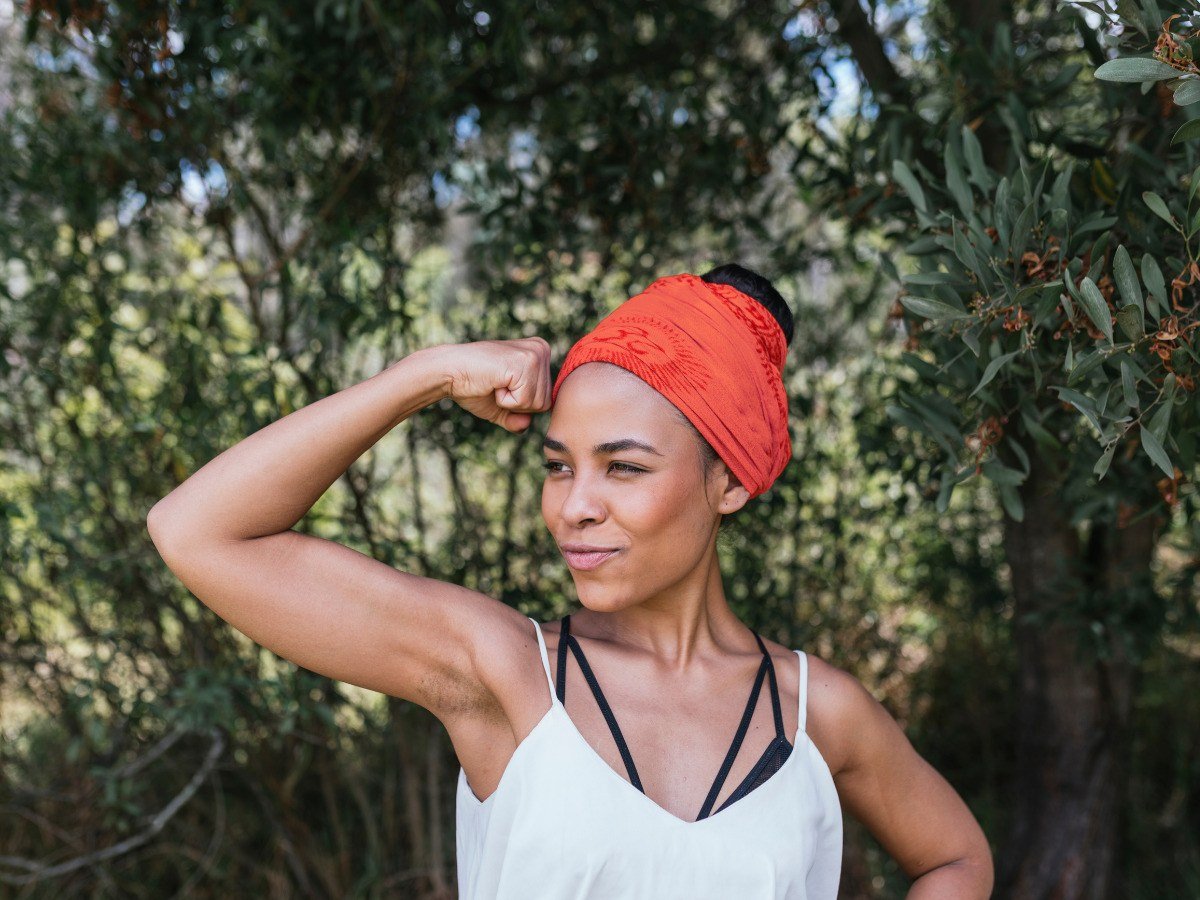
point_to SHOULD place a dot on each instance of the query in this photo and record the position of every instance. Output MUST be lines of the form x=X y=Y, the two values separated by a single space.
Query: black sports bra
x=770 y=762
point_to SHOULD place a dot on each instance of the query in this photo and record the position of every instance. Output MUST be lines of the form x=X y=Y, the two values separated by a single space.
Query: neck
x=687 y=623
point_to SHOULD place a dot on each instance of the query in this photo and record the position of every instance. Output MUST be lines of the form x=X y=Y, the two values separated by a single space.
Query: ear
x=733 y=495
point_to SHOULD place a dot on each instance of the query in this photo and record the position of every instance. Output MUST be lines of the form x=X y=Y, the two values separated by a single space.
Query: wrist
x=429 y=367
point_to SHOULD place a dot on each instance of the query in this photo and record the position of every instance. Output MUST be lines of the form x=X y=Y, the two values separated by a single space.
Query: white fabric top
x=563 y=824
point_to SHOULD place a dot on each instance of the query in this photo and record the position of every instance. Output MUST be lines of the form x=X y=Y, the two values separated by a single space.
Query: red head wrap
x=716 y=354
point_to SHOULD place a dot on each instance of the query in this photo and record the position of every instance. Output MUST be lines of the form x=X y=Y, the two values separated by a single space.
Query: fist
x=505 y=382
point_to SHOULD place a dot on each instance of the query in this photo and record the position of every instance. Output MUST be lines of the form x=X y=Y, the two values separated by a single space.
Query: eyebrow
x=607 y=447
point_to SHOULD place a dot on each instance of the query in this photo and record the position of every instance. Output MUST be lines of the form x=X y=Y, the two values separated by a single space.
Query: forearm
x=266 y=482
x=963 y=879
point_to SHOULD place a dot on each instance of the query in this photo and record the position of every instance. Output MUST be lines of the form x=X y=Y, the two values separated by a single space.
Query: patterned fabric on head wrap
x=716 y=354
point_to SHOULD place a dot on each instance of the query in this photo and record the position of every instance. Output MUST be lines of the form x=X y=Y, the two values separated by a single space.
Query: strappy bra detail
x=563 y=824
x=768 y=764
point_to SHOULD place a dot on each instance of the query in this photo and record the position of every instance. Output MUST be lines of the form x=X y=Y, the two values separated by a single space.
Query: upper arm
x=914 y=813
x=340 y=613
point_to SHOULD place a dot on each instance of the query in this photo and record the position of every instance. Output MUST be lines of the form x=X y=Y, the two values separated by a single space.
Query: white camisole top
x=563 y=824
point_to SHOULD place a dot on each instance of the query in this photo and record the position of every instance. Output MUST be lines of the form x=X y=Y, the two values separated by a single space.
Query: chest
x=560 y=800
x=680 y=756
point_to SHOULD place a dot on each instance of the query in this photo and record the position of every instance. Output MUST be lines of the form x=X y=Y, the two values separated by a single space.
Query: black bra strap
x=560 y=680
x=774 y=687
x=737 y=739
x=567 y=639
x=766 y=668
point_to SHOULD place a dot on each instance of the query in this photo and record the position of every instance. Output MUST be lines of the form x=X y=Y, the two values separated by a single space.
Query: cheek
x=666 y=514
x=662 y=509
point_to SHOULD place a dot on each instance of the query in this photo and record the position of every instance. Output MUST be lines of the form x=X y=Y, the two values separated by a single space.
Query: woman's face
x=652 y=504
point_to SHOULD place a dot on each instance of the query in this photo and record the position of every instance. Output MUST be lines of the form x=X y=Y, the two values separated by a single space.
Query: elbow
x=158 y=525
x=969 y=875
x=973 y=875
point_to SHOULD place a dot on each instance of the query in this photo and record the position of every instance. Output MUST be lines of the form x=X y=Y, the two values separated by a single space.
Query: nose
x=582 y=502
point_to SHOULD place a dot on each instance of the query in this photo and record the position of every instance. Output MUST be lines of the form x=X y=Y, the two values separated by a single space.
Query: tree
x=1049 y=357
x=281 y=178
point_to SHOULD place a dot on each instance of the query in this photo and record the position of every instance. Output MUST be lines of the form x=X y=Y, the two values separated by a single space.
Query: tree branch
x=39 y=871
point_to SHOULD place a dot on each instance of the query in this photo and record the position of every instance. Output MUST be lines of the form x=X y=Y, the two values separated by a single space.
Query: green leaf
x=1188 y=92
x=1153 y=279
x=1162 y=416
x=925 y=369
x=998 y=473
x=1136 y=68
x=1194 y=225
x=1096 y=307
x=1081 y=402
x=1002 y=215
x=1089 y=362
x=1129 y=12
x=1188 y=131
x=926 y=243
x=956 y=180
x=1011 y=501
x=974 y=154
x=1129 y=385
x=924 y=407
x=948 y=481
x=964 y=250
x=1020 y=453
x=1159 y=207
x=904 y=176
x=906 y=417
x=1102 y=464
x=1060 y=193
x=1129 y=318
x=1154 y=449
x=933 y=309
x=1126 y=276
x=925 y=278
x=1020 y=232
x=970 y=337
x=1095 y=225
x=992 y=368
x=1037 y=430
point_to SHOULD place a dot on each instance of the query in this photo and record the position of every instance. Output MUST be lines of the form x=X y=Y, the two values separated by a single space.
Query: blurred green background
x=212 y=214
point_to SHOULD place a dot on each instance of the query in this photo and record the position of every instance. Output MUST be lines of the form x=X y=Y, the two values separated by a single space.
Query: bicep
x=906 y=804
x=340 y=613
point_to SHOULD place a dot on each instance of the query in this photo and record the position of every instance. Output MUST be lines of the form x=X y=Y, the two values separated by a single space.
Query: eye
x=551 y=465
x=626 y=467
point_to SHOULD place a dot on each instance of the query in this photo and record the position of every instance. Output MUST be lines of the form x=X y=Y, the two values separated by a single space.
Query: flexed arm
x=226 y=532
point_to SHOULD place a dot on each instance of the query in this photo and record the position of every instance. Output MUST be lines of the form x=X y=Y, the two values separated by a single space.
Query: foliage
x=212 y=215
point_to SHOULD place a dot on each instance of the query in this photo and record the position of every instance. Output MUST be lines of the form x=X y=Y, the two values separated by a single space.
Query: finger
x=544 y=382
x=541 y=385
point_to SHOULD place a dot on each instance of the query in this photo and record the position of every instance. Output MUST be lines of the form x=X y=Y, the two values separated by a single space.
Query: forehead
x=600 y=401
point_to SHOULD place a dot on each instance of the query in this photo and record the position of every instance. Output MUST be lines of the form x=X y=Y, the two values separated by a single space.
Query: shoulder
x=839 y=709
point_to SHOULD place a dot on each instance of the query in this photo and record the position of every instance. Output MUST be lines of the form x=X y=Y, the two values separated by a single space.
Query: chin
x=599 y=600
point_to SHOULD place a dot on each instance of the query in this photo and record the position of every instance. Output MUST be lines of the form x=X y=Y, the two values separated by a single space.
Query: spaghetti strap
x=568 y=640
x=803 y=691
x=778 y=713
x=545 y=659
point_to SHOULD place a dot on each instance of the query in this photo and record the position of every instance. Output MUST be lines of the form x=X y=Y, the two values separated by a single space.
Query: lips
x=585 y=561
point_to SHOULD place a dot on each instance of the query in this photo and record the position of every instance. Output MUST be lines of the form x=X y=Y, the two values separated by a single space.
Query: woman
x=668 y=416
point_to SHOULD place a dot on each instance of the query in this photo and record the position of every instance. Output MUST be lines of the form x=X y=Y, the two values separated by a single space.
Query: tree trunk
x=1075 y=689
